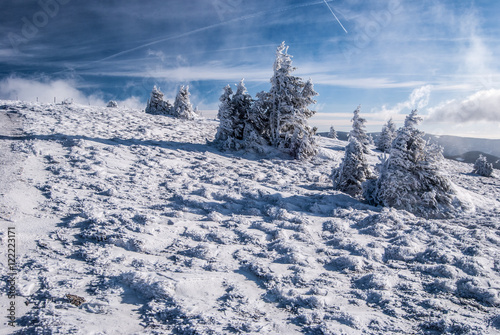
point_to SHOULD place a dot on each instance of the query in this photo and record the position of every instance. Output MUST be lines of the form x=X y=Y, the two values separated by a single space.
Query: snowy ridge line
x=161 y=233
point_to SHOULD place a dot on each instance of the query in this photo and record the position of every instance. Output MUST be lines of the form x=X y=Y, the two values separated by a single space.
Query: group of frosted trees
x=277 y=118
x=181 y=108
x=409 y=178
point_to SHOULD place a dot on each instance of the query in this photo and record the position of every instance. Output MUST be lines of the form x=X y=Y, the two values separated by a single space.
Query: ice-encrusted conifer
x=387 y=135
x=156 y=105
x=241 y=103
x=358 y=130
x=410 y=178
x=225 y=132
x=289 y=101
x=332 y=133
x=354 y=169
x=482 y=167
x=182 y=105
x=234 y=119
x=256 y=131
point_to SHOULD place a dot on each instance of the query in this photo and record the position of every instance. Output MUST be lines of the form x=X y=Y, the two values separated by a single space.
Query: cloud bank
x=44 y=91
x=481 y=106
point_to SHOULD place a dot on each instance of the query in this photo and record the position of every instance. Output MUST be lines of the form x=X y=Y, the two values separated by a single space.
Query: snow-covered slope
x=161 y=233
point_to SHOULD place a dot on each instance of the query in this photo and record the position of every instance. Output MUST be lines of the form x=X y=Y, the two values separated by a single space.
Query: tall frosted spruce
x=225 y=131
x=289 y=99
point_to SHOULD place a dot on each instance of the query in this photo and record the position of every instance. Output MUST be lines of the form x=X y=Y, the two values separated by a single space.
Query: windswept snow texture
x=161 y=233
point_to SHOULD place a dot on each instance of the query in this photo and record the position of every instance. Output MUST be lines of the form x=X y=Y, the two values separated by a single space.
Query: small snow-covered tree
x=482 y=167
x=387 y=135
x=182 y=105
x=112 y=104
x=332 y=133
x=410 y=178
x=289 y=100
x=156 y=105
x=353 y=171
x=358 y=130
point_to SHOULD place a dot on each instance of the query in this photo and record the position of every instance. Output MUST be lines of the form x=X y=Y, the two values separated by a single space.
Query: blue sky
x=438 y=56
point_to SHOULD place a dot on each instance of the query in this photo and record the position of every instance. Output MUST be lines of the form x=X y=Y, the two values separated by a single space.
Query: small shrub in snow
x=470 y=288
x=148 y=285
x=482 y=167
x=346 y=263
x=215 y=216
x=373 y=281
x=441 y=270
x=112 y=104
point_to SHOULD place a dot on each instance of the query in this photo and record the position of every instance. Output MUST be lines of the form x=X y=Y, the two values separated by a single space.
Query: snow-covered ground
x=161 y=233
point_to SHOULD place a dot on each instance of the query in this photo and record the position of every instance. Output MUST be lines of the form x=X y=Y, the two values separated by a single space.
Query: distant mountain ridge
x=463 y=149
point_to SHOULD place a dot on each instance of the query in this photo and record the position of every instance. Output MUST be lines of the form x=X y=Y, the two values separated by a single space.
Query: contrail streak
x=188 y=33
x=335 y=16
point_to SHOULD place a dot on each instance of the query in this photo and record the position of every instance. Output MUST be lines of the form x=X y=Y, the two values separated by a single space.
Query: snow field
x=162 y=233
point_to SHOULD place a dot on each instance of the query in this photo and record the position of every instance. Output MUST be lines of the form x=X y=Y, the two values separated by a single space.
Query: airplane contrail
x=335 y=16
x=188 y=33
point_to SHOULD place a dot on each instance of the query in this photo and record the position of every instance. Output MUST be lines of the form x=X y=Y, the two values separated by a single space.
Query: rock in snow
x=158 y=232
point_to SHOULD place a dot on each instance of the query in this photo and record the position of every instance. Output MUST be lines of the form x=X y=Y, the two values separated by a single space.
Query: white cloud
x=45 y=91
x=418 y=99
x=481 y=106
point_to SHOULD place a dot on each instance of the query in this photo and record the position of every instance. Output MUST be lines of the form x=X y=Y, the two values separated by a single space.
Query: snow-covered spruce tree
x=256 y=131
x=482 y=167
x=225 y=133
x=358 y=130
x=410 y=178
x=353 y=171
x=156 y=105
x=387 y=135
x=182 y=106
x=234 y=117
x=241 y=103
x=289 y=100
x=332 y=133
